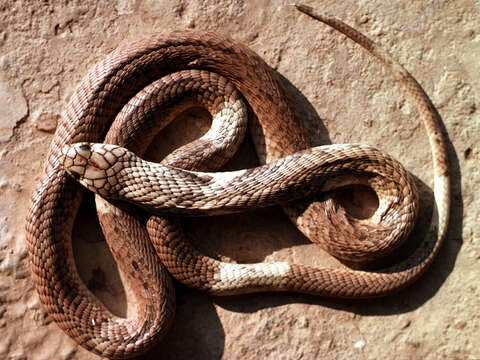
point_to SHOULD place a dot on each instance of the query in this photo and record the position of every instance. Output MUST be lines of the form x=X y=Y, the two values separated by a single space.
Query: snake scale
x=123 y=83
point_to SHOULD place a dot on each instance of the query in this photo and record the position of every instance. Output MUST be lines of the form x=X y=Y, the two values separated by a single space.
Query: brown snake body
x=276 y=132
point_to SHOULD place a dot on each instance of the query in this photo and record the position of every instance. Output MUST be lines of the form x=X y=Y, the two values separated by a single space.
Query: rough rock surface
x=344 y=95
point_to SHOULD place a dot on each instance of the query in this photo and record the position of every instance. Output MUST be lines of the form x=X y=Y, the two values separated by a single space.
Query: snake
x=119 y=101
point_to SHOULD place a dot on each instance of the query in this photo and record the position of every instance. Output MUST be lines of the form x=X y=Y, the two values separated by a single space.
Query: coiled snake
x=208 y=69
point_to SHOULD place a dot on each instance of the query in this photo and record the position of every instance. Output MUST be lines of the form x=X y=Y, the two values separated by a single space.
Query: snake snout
x=74 y=159
x=85 y=161
x=92 y=164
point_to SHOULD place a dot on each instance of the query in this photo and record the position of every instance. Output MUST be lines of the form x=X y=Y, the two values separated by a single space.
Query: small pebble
x=359 y=344
x=46 y=122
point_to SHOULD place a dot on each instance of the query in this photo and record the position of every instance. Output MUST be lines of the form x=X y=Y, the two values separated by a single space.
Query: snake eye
x=85 y=147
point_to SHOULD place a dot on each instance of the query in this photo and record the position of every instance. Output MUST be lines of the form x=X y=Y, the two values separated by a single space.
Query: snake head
x=93 y=165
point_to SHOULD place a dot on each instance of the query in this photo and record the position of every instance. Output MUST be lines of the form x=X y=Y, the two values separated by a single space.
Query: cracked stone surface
x=14 y=109
x=343 y=94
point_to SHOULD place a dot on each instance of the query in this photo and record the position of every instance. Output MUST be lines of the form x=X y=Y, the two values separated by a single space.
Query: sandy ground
x=344 y=95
